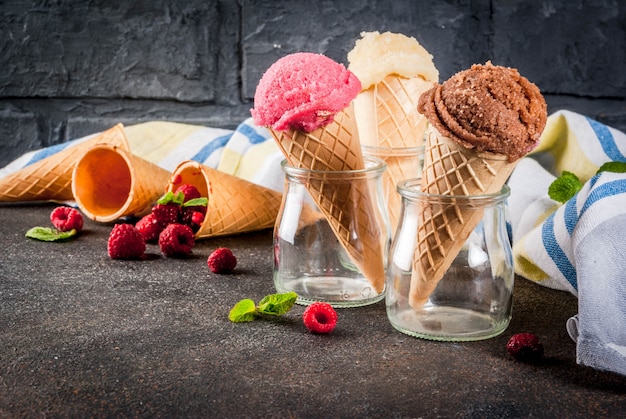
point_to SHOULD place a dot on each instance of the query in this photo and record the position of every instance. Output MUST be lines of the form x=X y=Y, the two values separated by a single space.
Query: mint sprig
x=171 y=198
x=196 y=202
x=271 y=305
x=48 y=234
x=563 y=188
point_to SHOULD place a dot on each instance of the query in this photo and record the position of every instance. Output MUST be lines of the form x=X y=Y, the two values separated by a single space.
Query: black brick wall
x=69 y=68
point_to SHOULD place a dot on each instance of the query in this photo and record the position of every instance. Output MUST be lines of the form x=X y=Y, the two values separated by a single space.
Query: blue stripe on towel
x=253 y=136
x=603 y=191
x=570 y=214
x=206 y=151
x=606 y=140
x=554 y=251
x=47 y=152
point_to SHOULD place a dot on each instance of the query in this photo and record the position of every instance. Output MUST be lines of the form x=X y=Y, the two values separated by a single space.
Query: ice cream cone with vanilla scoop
x=482 y=121
x=394 y=71
x=305 y=100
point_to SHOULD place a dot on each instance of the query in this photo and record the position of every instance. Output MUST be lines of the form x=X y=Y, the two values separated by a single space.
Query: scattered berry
x=192 y=217
x=222 y=261
x=320 y=317
x=189 y=191
x=126 y=242
x=66 y=219
x=525 y=347
x=166 y=214
x=176 y=240
x=149 y=228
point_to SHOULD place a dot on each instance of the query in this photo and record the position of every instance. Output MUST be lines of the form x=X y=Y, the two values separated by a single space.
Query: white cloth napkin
x=579 y=246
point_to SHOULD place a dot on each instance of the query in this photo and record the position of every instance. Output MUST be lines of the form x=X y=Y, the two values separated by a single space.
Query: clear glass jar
x=473 y=299
x=331 y=237
x=402 y=163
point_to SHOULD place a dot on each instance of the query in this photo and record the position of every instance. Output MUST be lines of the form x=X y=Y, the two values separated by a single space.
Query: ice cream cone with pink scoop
x=305 y=100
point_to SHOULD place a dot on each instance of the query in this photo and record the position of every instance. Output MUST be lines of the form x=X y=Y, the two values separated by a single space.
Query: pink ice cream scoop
x=303 y=91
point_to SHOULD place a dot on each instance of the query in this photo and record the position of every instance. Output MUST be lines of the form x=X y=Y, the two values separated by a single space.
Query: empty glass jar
x=331 y=236
x=450 y=273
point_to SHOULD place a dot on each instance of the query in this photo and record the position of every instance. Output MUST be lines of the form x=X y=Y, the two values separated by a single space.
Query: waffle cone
x=386 y=113
x=110 y=183
x=402 y=163
x=234 y=206
x=346 y=206
x=50 y=179
x=443 y=227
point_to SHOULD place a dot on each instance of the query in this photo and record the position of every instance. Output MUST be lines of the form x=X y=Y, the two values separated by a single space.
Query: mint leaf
x=613 y=166
x=243 y=311
x=564 y=187
x=171 y=198
x=277 y=304
x=196 y=202
x=48 y=234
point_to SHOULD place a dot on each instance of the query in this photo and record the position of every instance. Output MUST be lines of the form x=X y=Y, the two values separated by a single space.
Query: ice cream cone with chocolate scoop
x=305 y=100
x=482 y=121
x=394 y=71
x=234 y=206
x=109 y=183
x=51 y=178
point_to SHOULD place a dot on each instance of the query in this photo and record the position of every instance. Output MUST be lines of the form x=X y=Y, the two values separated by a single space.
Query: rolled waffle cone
x=386 y=113
x=109 y=183
x=443 y=227
x=402 y=163
x=235 y=205
x=50 y=179
x=336 y=147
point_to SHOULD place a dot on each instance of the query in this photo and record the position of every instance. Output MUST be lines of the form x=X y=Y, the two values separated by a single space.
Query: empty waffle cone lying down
x=234 y=206
x=109 y=183
x=336 y=147
x=450 y=169
x=50 y=179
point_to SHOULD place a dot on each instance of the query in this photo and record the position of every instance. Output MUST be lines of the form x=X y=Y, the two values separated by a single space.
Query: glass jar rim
x=393 y=151
x=373 y=167
x=410 y=188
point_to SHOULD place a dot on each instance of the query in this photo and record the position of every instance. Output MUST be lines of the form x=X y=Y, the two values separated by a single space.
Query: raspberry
x=525 y=347
x=320 y=317
x=189 y=191
x=192 y=217
x=176 y=240
x=149 y=228
x=166 y=214
x=66 y=219
x=222 y=261
x=126 y=242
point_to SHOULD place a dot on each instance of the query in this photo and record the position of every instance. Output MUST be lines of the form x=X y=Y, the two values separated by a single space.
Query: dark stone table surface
x=82 y=335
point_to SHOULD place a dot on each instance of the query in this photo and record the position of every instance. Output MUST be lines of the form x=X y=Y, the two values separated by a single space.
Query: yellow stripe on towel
x=154 y=140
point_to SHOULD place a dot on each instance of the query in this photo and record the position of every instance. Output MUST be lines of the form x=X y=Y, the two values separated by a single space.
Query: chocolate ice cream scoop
x=488 y=108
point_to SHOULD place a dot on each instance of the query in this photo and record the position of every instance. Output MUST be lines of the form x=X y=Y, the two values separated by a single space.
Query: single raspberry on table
x=176 y=240
x=320 y=317
x=149 y=228
x=126 y=242
x=525 y=347
x=166 y=214
x=222 y=261
x=66 y=219
x=189 y=191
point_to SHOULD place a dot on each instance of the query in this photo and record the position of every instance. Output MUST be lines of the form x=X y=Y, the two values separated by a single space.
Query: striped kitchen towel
x=247 y=152
x=578 y=246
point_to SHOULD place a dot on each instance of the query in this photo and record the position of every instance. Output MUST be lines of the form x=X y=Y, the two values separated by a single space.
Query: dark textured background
x=70 y=68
